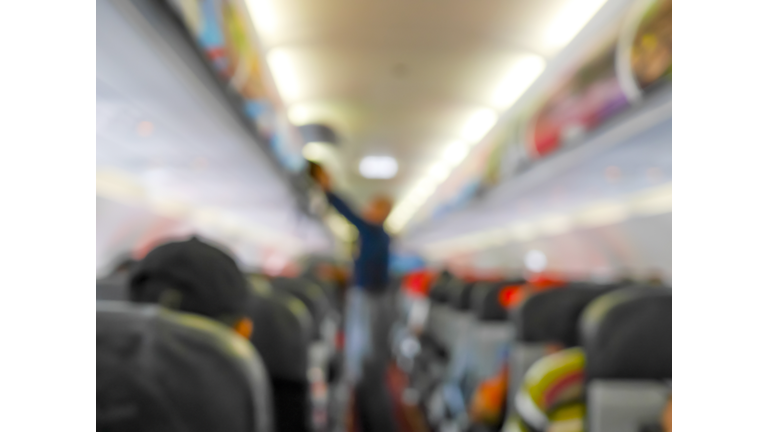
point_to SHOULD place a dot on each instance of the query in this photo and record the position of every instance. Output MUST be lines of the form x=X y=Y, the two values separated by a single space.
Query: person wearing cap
x=194 y=277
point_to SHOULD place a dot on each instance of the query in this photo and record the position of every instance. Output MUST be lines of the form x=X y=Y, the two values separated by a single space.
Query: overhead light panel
x=263 y=16
x=478 y=124
x=455 y=153
x=439 y=172
x=570 y=19
x=378 y=167
x=523 y=73
x=283 y=66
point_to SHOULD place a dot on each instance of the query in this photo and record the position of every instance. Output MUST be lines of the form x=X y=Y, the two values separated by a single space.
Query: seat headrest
x=162 y=370
x=486 y=304
x=553 y=316
x=309 y=293
x=627 y=334
x=282 y=331
x=439 y=291
x=459 y=294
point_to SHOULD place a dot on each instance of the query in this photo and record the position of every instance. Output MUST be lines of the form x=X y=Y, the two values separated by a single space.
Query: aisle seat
x=546 y=322
x=160 y=370
x=480 y=351
x=627 y=338
x=311 y=295
x=282 y=334
x=452 y=320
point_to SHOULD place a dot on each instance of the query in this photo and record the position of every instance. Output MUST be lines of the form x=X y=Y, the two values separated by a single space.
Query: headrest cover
x=627 y=334
x=282 y=332
x=553 y=316
x=486 y=303
x=191 y=276
x=161 y=370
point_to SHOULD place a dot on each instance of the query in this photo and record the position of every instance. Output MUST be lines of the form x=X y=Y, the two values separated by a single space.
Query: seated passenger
x=193 y=276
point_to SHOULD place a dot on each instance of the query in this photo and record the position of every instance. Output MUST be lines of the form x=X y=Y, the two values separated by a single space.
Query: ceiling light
x=439 y=172
x=315 y=151
x=424 y=189
x=535 y=261
x=299 y=114
x=455 y=153
x=263 y=16
x=479 y=124
x=378 y=167
x=520 y=77
x=282 y=64
x=570 y=19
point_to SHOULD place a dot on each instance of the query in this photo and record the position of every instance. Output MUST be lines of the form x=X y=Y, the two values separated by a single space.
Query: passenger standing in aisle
x=369 y=309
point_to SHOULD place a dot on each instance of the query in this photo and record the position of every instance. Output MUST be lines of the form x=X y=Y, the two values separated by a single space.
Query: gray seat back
x=163 y=370
x=627 y=338
x=490 y=336
x=313 y=297
x=282 y=331
x=546 y=318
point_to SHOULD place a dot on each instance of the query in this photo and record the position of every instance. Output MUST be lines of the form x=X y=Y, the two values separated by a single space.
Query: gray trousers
x=369 y=318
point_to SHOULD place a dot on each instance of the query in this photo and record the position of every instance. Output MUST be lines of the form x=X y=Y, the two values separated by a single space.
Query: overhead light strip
x=646 y=203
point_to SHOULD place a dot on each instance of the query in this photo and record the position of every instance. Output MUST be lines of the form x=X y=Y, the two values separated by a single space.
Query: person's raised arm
x=324 y=181
x=345 y=211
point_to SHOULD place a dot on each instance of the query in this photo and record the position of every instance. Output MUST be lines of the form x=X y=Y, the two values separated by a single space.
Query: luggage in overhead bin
x=160 y=370
x=627 y=338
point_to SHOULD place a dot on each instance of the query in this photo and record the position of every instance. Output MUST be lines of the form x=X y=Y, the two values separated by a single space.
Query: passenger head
x=195 y=277
x=378 y=209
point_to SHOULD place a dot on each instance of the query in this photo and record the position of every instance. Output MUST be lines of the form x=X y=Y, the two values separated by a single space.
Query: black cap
x=191 y=276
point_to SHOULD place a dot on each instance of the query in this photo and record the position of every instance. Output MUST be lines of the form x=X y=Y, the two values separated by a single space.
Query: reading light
x=378 y=167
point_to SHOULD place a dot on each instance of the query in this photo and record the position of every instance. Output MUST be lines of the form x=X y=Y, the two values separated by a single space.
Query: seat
x=483 y=339
x=282 y=332
x=313 y=297
x=456 y=316
x=627 y=337
x=113 y=287
x=546 y=321
x=160 y=370
x=489 y=336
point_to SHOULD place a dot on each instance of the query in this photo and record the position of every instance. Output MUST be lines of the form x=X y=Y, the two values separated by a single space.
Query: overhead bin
x=175 y=157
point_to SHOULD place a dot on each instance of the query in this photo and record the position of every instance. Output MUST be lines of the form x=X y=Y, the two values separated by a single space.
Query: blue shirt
x=372 y=262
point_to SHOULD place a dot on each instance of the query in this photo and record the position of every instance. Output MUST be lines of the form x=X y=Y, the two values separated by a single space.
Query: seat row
x=164 y=369
x=602 y=351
